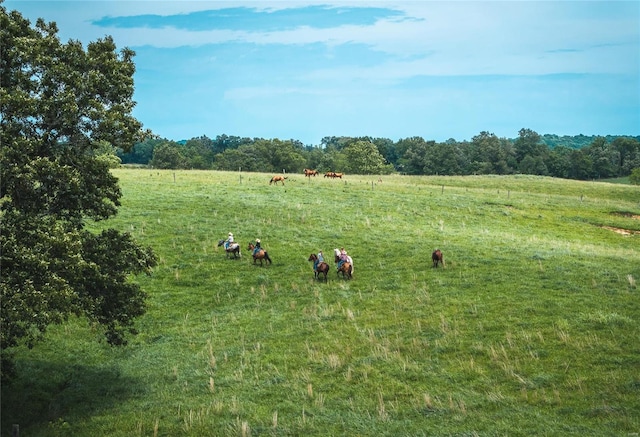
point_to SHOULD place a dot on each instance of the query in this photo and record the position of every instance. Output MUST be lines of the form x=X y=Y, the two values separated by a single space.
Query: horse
x=322 y=268
x=233 y=248
x=309 y=172
x=437 y=257
x=347 y=267
x=277 y=179
x=333 y=175
x=261 y=255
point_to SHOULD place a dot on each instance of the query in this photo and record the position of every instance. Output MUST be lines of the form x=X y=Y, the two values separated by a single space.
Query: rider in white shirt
x=229 y=241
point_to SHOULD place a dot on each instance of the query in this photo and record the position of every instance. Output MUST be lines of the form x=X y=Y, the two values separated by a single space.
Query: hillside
x=532 y=328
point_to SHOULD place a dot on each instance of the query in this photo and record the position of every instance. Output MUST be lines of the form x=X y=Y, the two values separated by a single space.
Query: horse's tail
x=266 y=256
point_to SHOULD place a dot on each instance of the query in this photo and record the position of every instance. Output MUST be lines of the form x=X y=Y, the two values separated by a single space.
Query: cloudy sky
x=306 y=70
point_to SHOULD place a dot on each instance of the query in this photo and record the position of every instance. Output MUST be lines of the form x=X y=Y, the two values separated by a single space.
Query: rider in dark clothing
x=257 y=248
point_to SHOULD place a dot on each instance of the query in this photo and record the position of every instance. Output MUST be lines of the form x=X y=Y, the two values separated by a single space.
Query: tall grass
x=532 y=328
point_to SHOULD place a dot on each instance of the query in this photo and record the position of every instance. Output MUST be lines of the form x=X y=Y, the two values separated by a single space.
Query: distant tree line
x=578 y=157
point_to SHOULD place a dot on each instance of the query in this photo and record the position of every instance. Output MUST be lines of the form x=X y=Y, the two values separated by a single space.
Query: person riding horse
x=257 y=248
x=317 y=261
x=229 y=241
x=343 y=257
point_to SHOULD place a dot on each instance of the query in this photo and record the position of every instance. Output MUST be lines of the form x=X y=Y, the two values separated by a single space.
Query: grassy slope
x=532 y=329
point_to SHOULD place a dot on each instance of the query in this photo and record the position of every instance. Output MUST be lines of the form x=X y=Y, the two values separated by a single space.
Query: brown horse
x=277 y=179
x=347 y=267
x=309 y=172
x=437 y=258
x=333 y=175
x=234 y=248
x=261 y=255
x=323 y=267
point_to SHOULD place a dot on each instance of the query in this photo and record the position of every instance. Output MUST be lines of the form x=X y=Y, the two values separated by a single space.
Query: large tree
x=363 y=157
x=60 y=104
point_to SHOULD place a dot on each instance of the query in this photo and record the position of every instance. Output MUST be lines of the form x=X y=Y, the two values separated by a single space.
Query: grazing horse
x=323 y=267
x=309 y=172
x=261 y=255
x=233 y=248
x=277 y=179
x=347 y=267
x=333 y=175
x=437 y=257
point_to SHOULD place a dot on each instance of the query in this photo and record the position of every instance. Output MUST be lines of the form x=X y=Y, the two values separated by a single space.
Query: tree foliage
x=486 y=153
x=65 y=110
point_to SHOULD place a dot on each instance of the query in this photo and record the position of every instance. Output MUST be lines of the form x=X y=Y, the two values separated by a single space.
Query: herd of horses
x=322 y=269
x=308 y=173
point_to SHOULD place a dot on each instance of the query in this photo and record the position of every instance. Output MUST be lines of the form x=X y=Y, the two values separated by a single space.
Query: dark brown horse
x=234 y=248
x=260 y=255
x=277 y=179
x=323 y=267
x=437 y=258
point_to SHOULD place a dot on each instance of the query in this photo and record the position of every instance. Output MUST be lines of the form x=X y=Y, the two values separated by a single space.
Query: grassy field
x=533 y=327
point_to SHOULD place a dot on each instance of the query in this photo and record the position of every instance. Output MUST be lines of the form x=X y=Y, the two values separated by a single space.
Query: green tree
x=559 y=162
x=281 y=155
x=198 y=153
x=141 y=153
x=629 y=153
x=490 y=154
x=605 y=158
x=245 y=158
x=445 y=159
x=169 y=155
x=412 y=155
x=105 y=152
x=634 y=177
x=363 y=157
x=60 y=105
x=581 y=165
x=526 y=144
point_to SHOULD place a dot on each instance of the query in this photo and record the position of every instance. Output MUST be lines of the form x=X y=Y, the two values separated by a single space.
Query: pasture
x=533 y=327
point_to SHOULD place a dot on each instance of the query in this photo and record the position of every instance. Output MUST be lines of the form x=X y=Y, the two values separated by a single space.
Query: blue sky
x=396 y=69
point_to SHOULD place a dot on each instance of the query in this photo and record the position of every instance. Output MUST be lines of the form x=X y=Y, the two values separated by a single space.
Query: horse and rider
x=258 y=252
x=319 y=266
x=230 y=246
x=345 y=263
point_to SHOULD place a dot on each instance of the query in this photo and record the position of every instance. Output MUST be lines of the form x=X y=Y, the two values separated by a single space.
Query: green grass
x=533 y=328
